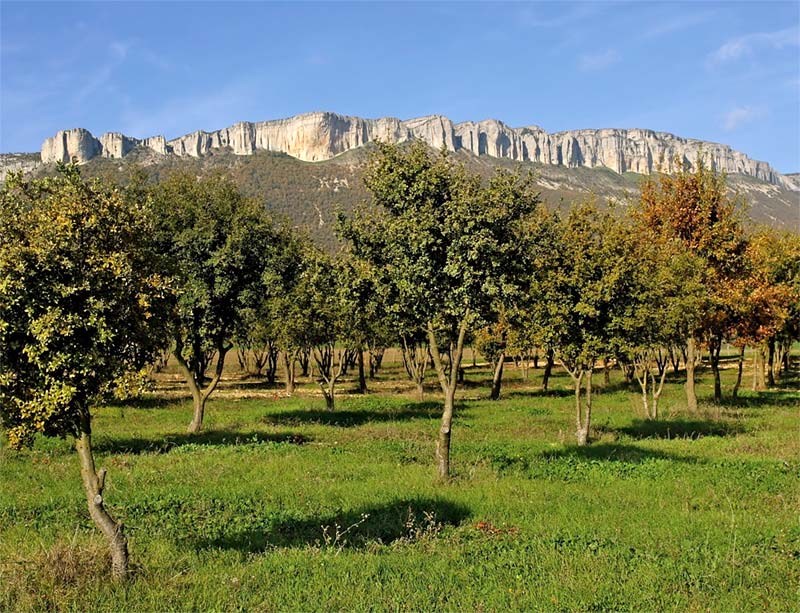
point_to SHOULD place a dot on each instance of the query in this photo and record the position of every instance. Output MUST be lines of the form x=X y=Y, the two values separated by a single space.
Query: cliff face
x=314 y=137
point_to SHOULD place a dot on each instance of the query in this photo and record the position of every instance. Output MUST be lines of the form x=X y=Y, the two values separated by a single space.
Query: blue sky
x=726 y=72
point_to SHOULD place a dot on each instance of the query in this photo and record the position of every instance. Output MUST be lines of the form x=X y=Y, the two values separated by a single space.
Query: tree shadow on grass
x=351 y=418
x=535 y=393
x=211 y=438
x=596 y=460
x=149 y=401
x=406 y=519
x=678 y=428
x=615 y=452
x=769 y=398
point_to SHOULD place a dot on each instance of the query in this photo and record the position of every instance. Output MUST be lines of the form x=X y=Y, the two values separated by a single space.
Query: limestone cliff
x=315 y=137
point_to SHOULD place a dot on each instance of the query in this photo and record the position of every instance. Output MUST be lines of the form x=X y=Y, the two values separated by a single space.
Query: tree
x=82 y=302
x=325 y=294
x=693 y=208
x=663 y=289
x=445 y=247
x=492 y=343
x=574 y=293
x=226 y=255
x=770 y=309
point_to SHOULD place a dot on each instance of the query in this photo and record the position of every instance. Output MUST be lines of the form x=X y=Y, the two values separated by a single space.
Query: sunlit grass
x=280 y=505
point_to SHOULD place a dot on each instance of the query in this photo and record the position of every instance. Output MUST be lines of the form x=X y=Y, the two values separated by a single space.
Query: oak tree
x=83 y=300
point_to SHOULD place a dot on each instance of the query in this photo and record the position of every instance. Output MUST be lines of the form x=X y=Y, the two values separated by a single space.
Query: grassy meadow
x=280 y=505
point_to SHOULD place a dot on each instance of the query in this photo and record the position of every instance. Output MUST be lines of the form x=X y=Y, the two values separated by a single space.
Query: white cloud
x=742 y=46
x=598 y=61
x=738 y=116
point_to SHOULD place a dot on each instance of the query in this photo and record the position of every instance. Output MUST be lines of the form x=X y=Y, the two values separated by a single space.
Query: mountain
x=306 y=167
x=316 y=137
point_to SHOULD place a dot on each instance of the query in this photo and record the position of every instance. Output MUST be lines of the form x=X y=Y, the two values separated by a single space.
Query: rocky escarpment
x=316 y=137
x=18 y=162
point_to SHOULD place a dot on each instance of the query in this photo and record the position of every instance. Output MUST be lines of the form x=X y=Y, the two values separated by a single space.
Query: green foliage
x=580 y=284
x=83 y=299
x=226 y=255
x=443 y=246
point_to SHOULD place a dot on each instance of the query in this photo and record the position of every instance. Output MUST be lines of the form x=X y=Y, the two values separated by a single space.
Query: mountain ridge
x=320 y=136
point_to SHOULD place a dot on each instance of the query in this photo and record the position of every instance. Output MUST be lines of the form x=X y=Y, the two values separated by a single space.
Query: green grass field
x=280 y=505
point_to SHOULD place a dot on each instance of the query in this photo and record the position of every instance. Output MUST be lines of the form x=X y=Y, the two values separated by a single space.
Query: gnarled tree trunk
x=194 y=383
x=416 y=358
x=331 y=364
x=93 y=486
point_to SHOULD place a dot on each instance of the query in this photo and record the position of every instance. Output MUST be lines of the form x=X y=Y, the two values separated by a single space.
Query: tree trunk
x=289 y=364
x=194 y=383
x=738 y=383
x=642 y=373
x=657 y=391
x=415 y=361
x=497 y=379
x=787 y=349
x=759 y=376
x=675 y=359
x=362 y=380
x=780 y=353
x=771 y=363
x=331 y=365
x=271 y=364
x=691 y=394
x=548 y=369
x=93 y=485
x=330 y=399
x=582 y=420
x=606 y=372
x=448 y=384
x=443 y=443
x=714 y=348
x=525 y=365
x=305 y=361
x=583 y=433
x=536 y=360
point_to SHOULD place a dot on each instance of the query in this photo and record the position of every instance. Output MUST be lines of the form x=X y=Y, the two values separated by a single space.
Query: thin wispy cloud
x=676 y=24
x=118 y=53
x=590 y=62
x=738 y=117
x=100 y=77
x=747 y=45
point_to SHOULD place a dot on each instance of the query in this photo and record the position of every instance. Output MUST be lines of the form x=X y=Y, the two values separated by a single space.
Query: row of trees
x=98 y=281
